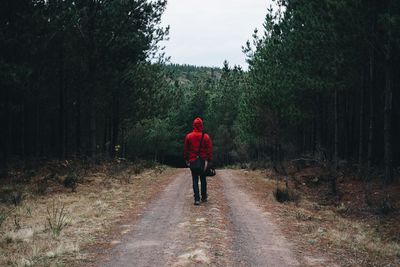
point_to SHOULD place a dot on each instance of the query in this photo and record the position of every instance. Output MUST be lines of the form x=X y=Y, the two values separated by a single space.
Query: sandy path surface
x=257 y=242
x=155 y=237
x=229 y=230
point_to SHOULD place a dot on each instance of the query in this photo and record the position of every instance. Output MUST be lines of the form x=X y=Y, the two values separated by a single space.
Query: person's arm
x=209 y=152
x=186 y=145
x=209 y=149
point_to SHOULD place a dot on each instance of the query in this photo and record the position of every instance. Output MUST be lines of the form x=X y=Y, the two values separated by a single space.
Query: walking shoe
x=204 y=200
x=196 y=203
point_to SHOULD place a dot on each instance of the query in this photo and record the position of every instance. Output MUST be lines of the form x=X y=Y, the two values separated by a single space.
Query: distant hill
x=188 y=74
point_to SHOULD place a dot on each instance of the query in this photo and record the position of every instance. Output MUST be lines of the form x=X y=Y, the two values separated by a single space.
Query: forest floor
x=119 y=216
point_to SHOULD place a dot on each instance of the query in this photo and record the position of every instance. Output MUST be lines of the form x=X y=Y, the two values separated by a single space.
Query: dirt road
x=229 y=230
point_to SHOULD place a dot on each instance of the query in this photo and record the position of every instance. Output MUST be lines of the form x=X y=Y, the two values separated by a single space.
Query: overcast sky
x=206 y=32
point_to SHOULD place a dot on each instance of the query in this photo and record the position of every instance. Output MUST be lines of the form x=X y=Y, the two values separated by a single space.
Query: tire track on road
x=155 y=238
x=256 y=241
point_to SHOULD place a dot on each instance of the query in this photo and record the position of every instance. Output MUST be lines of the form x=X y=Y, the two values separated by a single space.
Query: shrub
x=71 y=180
x=29 y=211
x=244 y=166
x=159 y=169
x=257 y=165
x=28 y=175
x=57 y=219
x=386 y=206
x=343 y=209
x=16 y=198
x=140 y=165
x=285 y=195
x=17 y=221
x=302 y=216
x=3 y=217
x=137 y=169
x=42 y=186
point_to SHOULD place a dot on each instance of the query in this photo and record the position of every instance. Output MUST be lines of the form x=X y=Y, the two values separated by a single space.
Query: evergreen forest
x=94 y=114
x=88 y=78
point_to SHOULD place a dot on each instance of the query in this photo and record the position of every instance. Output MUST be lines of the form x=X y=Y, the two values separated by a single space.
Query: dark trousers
x=195 y=179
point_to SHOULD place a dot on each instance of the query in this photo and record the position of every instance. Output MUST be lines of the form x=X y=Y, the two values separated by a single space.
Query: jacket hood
x=198 y=125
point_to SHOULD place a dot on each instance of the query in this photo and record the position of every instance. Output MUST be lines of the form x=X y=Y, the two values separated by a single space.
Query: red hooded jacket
x=192 y=142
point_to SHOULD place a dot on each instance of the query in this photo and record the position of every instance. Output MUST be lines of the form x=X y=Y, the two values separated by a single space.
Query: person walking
x=198 y=148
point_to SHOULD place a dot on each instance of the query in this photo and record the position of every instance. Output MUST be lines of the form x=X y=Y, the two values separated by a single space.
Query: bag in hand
x=197 y=165
x=210 y=171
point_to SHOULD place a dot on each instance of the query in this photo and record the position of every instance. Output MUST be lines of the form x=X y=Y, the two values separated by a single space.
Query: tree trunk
x=11 y=135
x=123 y=144
x=61 y=114
x=78 y=124
x=7 y=137
x=92 y=123
x=109 y=135
x=22 y=137
x=304 y=137
x=318 y=128
x=92 y=103
x=371 y=126
x=361 y=132
x=66 y=119
x=37 y=123
x=388 y=121
x=92 y=65
x=115 y=122
x=345 y=140
x=352 y=125
x=313 y=139
x=336 y=145
x=105 y=137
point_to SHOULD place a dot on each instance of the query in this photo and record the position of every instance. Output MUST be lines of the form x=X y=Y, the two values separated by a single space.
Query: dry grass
x=338 y=232
x=97 y=205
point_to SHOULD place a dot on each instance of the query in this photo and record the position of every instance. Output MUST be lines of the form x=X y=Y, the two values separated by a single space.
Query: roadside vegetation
x=55 y=225
x=346 y=230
